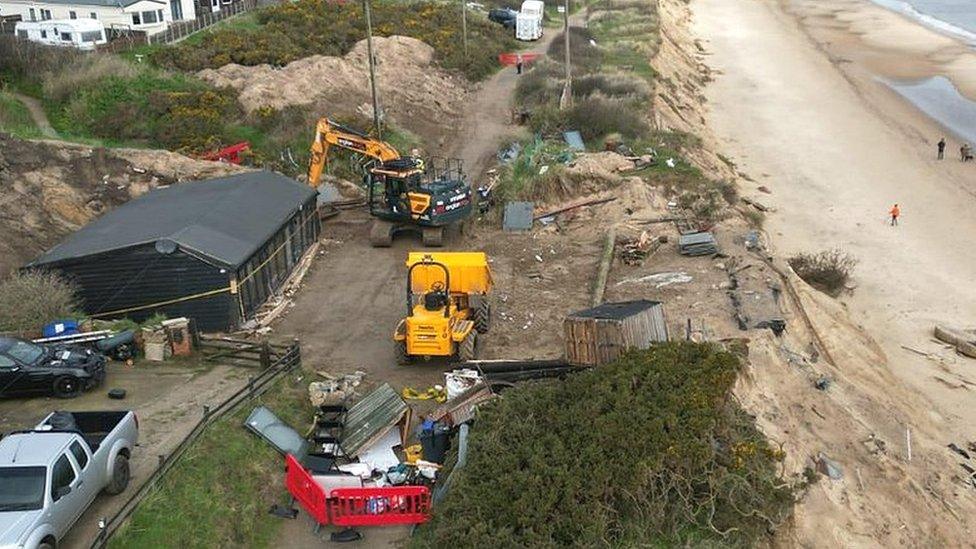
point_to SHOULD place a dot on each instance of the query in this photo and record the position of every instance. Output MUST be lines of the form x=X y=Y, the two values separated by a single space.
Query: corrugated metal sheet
x=601 y=334
x=370 y=418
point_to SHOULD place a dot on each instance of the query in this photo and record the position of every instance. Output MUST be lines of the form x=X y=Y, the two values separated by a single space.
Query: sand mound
x=51 y=189
x=413 y=91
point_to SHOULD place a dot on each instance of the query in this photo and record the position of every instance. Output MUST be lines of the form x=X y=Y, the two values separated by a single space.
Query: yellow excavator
x=403 y=193
x=447 y=306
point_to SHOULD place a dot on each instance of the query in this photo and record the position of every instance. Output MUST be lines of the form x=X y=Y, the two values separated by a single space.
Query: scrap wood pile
x=636 y=250
x=964 y=341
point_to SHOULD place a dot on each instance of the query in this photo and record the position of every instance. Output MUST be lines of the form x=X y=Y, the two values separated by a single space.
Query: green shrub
x=827 y=271
x=649 y=451
x=585 y=56
x=15 y=118
x=59 y=84
x=30 y=299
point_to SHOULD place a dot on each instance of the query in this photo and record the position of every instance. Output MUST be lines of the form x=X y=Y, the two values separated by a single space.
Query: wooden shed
x=599 y=335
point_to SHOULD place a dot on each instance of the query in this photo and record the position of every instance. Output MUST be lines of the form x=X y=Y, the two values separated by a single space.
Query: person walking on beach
x=895 y=212
x=966 y=152
x=942 y=146
x=518 y=63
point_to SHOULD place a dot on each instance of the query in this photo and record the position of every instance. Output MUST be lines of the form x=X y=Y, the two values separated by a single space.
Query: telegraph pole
x=372 y=71
x=567 y=98
x=464 y=27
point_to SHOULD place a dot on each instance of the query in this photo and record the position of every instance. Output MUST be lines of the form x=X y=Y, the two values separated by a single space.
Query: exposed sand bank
x=797 y=104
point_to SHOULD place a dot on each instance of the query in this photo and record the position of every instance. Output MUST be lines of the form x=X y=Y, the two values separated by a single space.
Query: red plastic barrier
x=357 y=506
x=379 y=506
x=305 y=490
x=510 y=59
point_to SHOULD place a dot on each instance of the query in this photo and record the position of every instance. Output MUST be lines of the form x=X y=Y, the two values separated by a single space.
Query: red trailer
x=356 y=506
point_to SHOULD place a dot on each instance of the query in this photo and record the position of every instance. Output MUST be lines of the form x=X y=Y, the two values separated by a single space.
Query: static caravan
x=528 y=22
x=83 y=34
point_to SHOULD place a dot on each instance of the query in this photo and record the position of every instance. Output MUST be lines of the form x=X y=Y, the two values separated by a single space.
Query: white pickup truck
x=51 y=474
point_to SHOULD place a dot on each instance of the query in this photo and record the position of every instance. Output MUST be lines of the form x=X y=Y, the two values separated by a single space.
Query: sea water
x=953 y=17
x=939 y=98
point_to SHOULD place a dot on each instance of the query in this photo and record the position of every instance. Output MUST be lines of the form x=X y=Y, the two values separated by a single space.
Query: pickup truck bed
x=93 y=426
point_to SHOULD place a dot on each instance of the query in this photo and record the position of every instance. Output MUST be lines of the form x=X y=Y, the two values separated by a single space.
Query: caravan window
x=93 y=15
x=148 y=17
x=33 y=14
x=22 y=34
x=91 y=36
x=72 y=15
x=45 y=15
x=135 y=19
x=66 y=36
x=43 y=33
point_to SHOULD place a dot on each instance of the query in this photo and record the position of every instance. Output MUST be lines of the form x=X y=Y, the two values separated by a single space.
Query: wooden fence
x=181 y=29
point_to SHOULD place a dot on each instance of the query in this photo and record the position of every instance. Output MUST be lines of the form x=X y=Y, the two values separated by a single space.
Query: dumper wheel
x=381 y=234
x=482 y=316
x=466 y=347
x=400 y=351
x=433 y=236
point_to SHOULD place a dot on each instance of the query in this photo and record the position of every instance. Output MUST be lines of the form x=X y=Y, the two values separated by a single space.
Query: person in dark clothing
x=518 y=64
x=942 y=147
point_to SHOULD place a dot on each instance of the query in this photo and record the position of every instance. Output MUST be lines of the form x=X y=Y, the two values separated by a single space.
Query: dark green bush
x=294 y=30
x=584 y=56
x=649 y=451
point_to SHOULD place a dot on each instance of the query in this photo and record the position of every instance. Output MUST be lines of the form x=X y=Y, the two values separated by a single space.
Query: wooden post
x=601 y=277
x=372 y=71
x=265 y=355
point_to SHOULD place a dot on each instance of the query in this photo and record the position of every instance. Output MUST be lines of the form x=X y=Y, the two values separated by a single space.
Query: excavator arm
x=329 y=134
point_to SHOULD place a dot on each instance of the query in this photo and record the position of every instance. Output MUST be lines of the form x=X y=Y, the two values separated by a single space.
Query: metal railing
x=287 y=359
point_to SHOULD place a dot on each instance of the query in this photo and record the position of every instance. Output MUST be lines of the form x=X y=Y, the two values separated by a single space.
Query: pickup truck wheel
x=67 y=387
x=46 y=545
x=120 y=476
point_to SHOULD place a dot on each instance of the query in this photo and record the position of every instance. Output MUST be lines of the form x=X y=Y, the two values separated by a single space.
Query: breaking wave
x=945 y=27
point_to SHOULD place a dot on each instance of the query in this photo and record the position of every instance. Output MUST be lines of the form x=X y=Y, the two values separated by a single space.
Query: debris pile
x=634 y=251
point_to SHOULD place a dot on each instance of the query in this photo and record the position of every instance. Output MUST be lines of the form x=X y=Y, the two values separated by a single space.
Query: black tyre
x=482 y=316
x=120 y=476
x=467 y=347
x=381 y=234
x=46 y=545
x=66 y=387
x=400 y=351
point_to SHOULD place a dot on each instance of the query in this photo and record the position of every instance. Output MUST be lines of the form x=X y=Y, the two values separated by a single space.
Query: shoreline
x=797 y=104
x=873 y=45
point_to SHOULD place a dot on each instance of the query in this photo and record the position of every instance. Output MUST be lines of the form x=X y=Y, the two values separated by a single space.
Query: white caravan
x=528 y=23
x=83 y=34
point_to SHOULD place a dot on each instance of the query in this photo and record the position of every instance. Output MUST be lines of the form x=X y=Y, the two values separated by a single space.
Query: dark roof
x=225 y=219
x=618 y=310
x=105 y=3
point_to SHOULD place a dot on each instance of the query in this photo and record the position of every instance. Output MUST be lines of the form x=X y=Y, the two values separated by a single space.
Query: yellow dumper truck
x=447 y=305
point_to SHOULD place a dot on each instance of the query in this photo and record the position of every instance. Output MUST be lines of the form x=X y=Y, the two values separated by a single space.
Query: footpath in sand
x=837 y=150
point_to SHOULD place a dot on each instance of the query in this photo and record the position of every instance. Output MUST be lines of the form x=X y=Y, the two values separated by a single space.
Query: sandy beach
x=799 y=104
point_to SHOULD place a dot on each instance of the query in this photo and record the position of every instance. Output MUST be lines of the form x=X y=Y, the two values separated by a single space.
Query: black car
x=503 y=16
x=30 y=369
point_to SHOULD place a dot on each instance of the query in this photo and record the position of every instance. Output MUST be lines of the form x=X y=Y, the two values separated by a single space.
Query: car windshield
x=21 y=488
x=25 y=352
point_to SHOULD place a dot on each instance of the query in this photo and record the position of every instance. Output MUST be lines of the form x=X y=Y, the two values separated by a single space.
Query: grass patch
x=219 y=492
x=281 y=34
x=547 y=467
x=16 y=119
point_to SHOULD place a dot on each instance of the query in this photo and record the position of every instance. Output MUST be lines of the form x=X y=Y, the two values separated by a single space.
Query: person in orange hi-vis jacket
x=895 y=212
